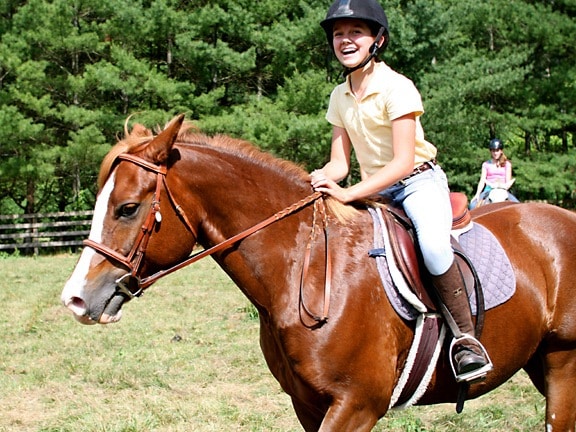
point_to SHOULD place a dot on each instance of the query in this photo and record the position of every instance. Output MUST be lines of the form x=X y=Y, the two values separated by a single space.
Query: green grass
x=185 y=357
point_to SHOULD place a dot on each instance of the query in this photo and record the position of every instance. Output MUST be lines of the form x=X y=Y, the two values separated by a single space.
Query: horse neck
x=232 y=194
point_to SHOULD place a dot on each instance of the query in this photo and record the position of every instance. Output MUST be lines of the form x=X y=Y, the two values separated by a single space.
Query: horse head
x=128 y=212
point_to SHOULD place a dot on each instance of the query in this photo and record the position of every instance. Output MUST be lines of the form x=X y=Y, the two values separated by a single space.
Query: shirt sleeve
x=404 y=98
x=333 y=115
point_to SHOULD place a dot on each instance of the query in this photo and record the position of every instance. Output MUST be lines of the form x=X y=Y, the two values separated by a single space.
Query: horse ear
x=159 y=148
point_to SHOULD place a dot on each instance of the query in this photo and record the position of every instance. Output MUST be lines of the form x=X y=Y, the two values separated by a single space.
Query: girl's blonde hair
x=501 y=161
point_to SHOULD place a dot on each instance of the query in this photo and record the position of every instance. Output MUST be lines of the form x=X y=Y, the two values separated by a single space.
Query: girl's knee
x=438 y=259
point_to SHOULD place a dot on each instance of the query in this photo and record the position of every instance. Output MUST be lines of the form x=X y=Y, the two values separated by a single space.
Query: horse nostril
x=77 y=306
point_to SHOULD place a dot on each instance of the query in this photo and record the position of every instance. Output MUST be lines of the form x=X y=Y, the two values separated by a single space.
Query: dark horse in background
x=340 y=372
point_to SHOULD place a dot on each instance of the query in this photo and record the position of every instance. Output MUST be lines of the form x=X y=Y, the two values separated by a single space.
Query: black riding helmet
x=496 y=144
x=369 y=11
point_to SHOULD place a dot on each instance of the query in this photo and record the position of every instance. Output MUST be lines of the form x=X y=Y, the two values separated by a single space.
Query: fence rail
x=31 y=232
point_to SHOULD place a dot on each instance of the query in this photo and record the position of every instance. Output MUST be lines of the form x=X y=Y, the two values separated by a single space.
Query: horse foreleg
x=348 y=416
x=310 y=419
x=534 y=369
x=560 y=395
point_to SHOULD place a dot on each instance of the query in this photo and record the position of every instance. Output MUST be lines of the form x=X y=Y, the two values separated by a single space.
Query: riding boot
x=468 y=354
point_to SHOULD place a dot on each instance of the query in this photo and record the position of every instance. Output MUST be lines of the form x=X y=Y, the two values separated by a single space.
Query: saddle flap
x=405 y=255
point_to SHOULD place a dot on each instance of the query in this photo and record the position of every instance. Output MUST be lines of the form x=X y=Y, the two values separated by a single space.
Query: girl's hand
x=509 y=184
x=321 y=183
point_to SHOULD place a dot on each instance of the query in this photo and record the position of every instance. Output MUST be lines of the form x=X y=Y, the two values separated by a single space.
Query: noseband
x=130 y=284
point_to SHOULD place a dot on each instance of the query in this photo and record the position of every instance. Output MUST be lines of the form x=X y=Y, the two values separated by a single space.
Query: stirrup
x=474 y=375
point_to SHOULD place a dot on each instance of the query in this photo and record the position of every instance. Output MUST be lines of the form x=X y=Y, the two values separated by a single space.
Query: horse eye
x=128 y=210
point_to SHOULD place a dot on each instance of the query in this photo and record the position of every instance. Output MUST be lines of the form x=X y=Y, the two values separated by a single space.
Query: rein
x=132 y=286
x=320 y=209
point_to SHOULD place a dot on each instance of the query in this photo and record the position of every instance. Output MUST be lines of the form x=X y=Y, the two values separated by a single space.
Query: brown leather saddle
x=409 y=261
x=407 y=253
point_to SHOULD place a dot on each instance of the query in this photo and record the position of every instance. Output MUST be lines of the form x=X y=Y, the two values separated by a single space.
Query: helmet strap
x=373 y=52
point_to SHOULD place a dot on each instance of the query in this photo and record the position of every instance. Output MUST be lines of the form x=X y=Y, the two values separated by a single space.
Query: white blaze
x=75 y=285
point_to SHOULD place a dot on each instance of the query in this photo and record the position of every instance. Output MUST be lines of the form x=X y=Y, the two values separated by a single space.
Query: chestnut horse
x=329 y=334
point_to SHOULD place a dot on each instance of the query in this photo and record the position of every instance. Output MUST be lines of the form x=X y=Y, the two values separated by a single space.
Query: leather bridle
x=130 y=283
x=132 y=286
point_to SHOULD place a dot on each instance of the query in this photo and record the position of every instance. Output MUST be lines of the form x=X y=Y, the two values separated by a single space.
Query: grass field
x=185 y=357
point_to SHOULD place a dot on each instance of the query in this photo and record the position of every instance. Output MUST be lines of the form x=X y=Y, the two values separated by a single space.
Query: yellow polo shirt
x=368 y=122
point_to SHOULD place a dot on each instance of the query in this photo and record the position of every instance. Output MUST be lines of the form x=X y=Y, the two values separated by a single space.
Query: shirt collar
x=373 y=85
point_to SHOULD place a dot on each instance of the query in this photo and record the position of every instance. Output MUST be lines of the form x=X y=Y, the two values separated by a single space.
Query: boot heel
x=477 y=373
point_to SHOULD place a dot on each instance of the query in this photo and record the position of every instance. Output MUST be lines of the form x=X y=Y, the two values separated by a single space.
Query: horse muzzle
x=113 y=311
x=90 y=308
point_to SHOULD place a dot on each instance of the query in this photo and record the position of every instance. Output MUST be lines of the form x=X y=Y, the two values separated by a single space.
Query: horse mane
x=342 y=212
x=140 y=136
x=245 y=150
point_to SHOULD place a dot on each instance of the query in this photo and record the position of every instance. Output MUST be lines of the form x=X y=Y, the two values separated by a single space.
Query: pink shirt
x=496 y=174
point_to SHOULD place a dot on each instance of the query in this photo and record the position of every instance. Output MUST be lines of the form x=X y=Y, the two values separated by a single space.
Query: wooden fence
x=28 y=233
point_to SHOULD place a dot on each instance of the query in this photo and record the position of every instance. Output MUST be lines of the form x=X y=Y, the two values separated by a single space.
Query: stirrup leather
x=474 y=375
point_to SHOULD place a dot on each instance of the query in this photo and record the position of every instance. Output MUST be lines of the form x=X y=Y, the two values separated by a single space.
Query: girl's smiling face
x=496 y=153
x=352 y=40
